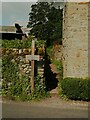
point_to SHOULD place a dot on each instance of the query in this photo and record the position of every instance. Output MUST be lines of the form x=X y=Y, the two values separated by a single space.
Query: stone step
x=55 y=71
x=57 y=74
x=54 y=91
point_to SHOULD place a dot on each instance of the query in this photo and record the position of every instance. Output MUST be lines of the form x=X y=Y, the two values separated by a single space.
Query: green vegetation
x=17 y=87
x=0 y=43
x=46 y=22
x=9 y=76
x=59 y=66
x=14 y=85
x=49 y=50
x=40 y=43
x=57 y=63
x=40 y=89
x=19 y=44
x=70 y=88
x=75 y=88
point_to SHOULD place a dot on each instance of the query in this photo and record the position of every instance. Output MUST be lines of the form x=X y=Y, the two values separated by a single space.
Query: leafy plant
x=9 y=75
x=46 y=22
x=40 y=43
x=49 y=51
x=75 y=88
x=14 y=86
x=19 y=87
x=40 y=88
x=20 y=44
x=59 y=66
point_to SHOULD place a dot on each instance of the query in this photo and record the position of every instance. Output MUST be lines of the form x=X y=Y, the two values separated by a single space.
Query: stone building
x=75 y=39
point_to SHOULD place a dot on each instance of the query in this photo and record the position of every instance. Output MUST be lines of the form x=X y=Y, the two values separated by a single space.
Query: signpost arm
x=32 y=67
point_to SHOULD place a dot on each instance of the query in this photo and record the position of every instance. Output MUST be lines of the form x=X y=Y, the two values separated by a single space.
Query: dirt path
x=56 y=74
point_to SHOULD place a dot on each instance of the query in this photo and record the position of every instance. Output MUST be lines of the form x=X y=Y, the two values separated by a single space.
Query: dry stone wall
x=19 y=57
x=75 y=40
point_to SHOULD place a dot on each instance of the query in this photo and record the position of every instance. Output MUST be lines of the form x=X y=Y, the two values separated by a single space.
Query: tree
x=46 y=22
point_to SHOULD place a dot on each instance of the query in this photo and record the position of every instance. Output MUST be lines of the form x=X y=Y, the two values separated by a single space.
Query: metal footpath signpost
x=32 y=58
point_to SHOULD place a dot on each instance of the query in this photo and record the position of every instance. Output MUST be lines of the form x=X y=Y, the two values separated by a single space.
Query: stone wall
x=75 y=40
x=19 y=57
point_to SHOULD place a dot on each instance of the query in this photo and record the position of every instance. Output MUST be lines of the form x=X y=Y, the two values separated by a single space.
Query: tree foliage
x=46 y=22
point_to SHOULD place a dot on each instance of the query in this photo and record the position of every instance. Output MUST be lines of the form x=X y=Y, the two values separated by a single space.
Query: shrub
x=49 y=51
x=20 y=44
x=9 y=75
x=40 y=89
x=75 y=88
x=14 y=85
x=18 y=87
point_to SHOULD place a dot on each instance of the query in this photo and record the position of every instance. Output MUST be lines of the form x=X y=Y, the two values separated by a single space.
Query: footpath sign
x=32 y=58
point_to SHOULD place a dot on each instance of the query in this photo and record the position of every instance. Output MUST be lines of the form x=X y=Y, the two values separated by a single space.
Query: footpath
x=55 y=99
x=54 y=92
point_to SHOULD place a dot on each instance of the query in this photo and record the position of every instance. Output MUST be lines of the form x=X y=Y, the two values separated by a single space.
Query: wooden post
x=32 y=67
x=32 y=58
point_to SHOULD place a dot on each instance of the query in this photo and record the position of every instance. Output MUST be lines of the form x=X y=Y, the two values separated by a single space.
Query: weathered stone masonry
x=75 y=40
x=19 y=57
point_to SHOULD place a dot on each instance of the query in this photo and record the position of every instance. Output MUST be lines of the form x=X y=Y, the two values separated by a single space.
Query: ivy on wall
x=14 y=85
